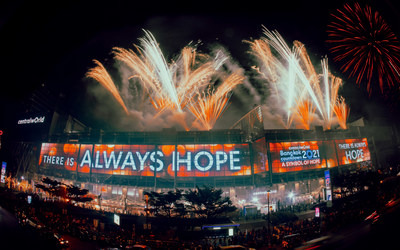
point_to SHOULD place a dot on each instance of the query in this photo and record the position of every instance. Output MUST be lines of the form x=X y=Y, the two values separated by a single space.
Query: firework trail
x=294 y=81
x=329 y=95
x=210 y=104
x=152 y=70
x=100 y=74
x=362 y=40
x=191 y=76
x=342 y=112
x=274 y=71
x=161 y=72
x=304 y=113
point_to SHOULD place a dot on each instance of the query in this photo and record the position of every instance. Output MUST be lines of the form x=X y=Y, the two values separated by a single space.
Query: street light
x=268 y=223
x=291 y=197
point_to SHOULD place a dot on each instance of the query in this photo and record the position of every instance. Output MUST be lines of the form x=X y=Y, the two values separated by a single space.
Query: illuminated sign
x=146 y=160
x=328 y=186
x=3 y=172
x=352 y=151
x=200 y=160
x=32 y=120
x=297 y=156
x=120 y=159
x=317 y=212
x=117 y=219
x=55 y=156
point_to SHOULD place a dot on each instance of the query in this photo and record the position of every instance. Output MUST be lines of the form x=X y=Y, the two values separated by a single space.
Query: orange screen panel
x=56 y=156
x=352 y=151
x=296 y=156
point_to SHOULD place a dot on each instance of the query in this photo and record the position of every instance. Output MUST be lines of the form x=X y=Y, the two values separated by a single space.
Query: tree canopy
x=208 y=202
x=59 y=189
x=205 y=202
x=164 y=203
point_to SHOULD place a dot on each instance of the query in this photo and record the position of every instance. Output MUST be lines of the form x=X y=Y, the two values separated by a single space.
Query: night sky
x=53 y=44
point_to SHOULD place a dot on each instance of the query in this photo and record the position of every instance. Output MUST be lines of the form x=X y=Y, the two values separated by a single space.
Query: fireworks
x=100 y=74
x=304 y=113
x=209 y=105
x=201 y=84
x=294 y=82
x=365 y=44
x=189 y=80
x=342 y=112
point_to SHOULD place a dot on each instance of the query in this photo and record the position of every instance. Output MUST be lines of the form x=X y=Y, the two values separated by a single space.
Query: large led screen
x=298 y=156
x=56 y=159
x=202 y=160
x=197 y=160
x=352 y=151
x=122 y=159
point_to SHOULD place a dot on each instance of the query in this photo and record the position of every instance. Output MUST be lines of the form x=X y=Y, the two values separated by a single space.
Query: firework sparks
x=342 y=112
x=209 y=105
x=304 y=113
x=100 y=74
x=366 y=45
x=295 y=83
x=153 y=74
x=328 y=97
x=169 y=85
x=187 y=82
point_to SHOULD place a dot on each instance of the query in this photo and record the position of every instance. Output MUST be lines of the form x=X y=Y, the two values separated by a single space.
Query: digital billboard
x=298 y=156
x=197 y=160
x=3 y=172
x=120 y=159
x=202 y=160
x=352 y=151
x=56 y=159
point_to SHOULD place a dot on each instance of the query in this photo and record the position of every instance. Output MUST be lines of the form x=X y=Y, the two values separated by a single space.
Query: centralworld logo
x=32 y=120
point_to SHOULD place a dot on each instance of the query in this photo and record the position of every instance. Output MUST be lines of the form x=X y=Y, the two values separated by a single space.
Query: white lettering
x=129 y=161
x=142 y=159
x=158 y=160
x=187 y=161
x=112 y=159
x=30 y=120
x=219 y=161
x=354 y=154
x=55 y=160
x=86 y=159
x=233 y=160
x=203 y=160
x=210 y=161
x=96 y=164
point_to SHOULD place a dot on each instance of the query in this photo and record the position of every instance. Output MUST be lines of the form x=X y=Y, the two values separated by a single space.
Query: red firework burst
x=366 y=46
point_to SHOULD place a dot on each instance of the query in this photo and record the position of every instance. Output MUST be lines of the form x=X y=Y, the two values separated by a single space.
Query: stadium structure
x=246 y=161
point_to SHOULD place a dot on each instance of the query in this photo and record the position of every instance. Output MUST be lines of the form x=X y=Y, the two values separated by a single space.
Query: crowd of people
x=98 y=227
